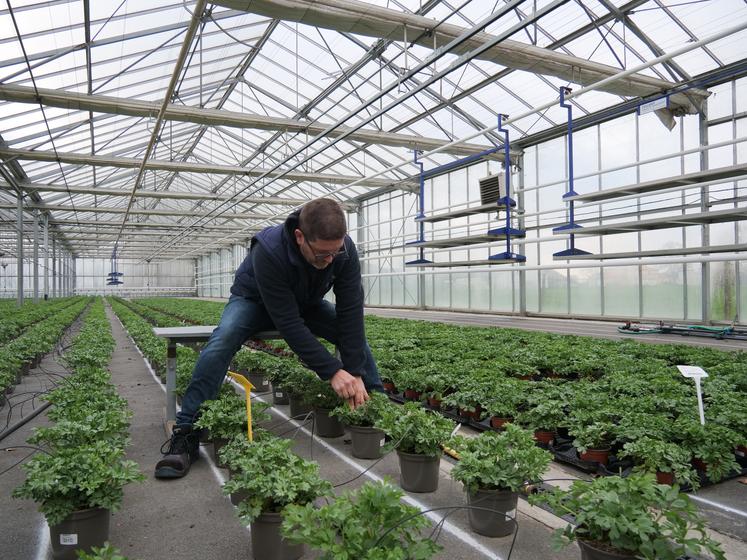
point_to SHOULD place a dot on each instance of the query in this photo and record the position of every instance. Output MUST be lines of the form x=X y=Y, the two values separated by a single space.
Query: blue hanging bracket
x=421 y=212
x=507 y=202
x=113 y=278
x=571 y=225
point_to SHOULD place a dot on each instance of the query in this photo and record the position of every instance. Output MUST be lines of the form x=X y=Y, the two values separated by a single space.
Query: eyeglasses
x=322 y=256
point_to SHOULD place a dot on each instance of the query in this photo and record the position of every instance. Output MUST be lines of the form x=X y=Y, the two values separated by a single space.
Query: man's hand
x=350 y=388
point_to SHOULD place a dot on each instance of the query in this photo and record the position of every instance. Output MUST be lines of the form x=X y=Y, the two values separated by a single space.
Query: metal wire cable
x=44 y=115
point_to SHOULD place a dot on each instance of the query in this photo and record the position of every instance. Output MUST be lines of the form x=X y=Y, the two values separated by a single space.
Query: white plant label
x=279 y=394
x=265 y=383
x=69 y=540
x=382 y=443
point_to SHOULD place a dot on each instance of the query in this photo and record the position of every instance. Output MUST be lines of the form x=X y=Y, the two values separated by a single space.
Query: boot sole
x=170 y=472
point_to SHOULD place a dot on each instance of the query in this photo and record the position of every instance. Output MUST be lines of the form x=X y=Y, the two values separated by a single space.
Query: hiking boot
x=180 y=451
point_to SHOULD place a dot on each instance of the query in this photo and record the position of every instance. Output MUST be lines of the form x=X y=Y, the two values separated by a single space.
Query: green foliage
x=653 y=455
x=367 y=414
x=83 y=465
x=713 y=444
x=226 y=415
x=74 y=478
x=319 y=393
x=597 y=435
x=500 y=461
x=632 y=514
x=413 y=429
x=274 y=477
x=106 y=552
x=370 y=523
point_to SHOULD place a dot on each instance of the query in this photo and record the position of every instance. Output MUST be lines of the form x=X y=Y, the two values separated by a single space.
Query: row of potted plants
x=621 y=391
x=412 y=429
x=154 y=347
x=79 y=474
x=14 y=320
x=25 y=351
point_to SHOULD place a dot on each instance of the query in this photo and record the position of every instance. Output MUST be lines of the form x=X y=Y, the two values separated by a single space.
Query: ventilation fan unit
x=493 y=188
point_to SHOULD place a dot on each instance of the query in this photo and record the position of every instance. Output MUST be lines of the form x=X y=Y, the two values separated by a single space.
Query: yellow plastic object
x=244 y=382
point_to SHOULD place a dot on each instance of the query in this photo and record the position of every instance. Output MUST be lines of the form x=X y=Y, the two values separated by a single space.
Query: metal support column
x=171 y=380
x=705 y=268
x=36 y=256
x=46 y=256
x=54 y=268
x=19 y=252
x=522 y=226
x=571 y=192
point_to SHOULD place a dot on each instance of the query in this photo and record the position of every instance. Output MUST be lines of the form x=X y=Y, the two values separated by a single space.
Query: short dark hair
x=324 y=219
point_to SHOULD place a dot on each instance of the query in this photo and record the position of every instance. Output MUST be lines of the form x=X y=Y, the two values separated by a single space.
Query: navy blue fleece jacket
x=276 y=274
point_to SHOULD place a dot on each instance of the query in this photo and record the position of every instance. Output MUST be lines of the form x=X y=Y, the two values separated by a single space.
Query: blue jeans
x=241 y=319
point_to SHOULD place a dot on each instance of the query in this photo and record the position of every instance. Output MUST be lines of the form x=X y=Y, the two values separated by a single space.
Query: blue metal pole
x=508 y=202
x=571 y=192
x=421 y=200
x=507 y=166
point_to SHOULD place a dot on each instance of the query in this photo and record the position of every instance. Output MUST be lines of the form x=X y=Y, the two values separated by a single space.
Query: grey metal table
x=187 y=335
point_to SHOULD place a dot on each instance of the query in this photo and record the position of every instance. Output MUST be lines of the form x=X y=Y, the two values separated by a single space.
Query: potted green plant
x=468 y=400
x=543 y=419
x=232 y=454
x=296 y=381
x=272 y=478
x=106 y=552
x=503 y=401
x=593 y=441
x=368 y=523
x=418 y=435
x=494 y=467
x=367 y=440
x=439 y=385
x=629 y=518
x=322 y=398
x=669 y=461
x=712 y=446
x=76 y=488
x=226 y=417
x=276 y=373
x=254 y=365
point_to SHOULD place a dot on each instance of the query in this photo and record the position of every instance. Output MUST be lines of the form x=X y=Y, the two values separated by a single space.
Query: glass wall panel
x=723 y=291
x=621 y=291
x=586 y=291
x=694 y=292
x=502 y=291
x=663 y=291
x=553 y=292
x=479 y=291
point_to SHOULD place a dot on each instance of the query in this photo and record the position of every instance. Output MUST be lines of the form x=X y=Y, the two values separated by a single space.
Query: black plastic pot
x=237 y=497
x=591 y=551
x=279 y=395
x=298 y=407
x=259 y=381
x=327 y=426
x=81 y=530
x=268 y=544
x=498 y=522
x=218 y=444
x=418 y=473
x=367 y=442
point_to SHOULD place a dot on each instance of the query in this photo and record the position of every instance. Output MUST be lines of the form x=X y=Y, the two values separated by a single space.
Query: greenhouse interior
x=373 y=279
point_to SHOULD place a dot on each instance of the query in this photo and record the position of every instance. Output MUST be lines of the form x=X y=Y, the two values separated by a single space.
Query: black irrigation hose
x=441 y=508
x=372 y=465
x=24 y=421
